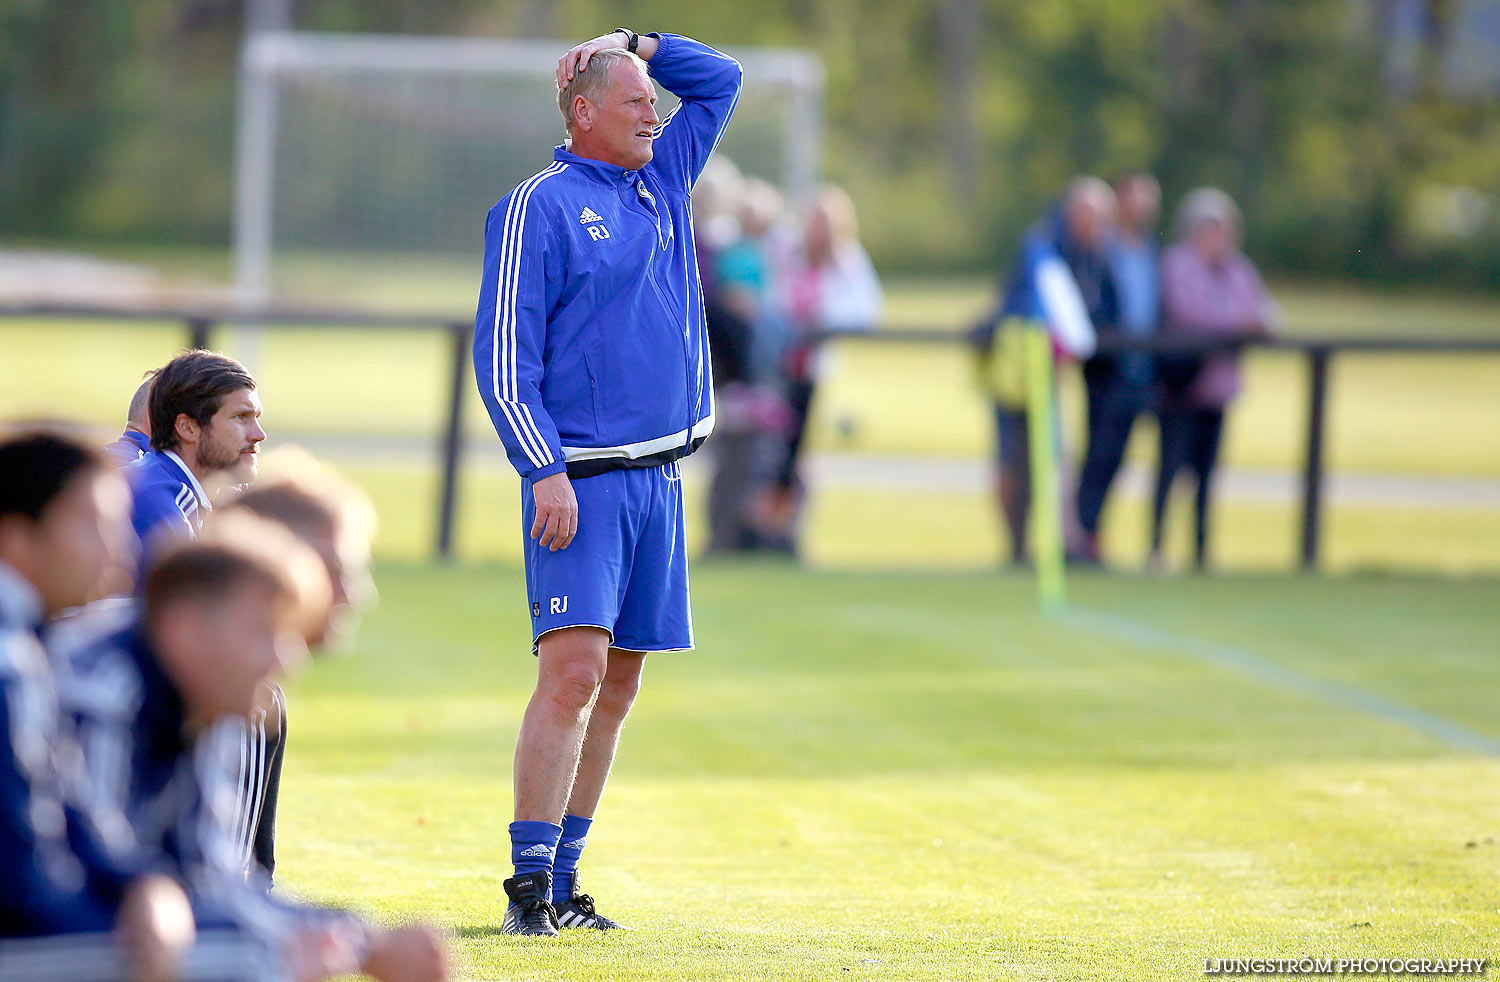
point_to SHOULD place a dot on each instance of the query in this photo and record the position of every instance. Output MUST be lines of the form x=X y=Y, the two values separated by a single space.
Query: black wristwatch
x=633 y=40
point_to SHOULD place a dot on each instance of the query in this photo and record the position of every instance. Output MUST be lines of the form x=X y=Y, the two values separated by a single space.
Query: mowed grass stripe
x=867 y=776
x=1145 y=637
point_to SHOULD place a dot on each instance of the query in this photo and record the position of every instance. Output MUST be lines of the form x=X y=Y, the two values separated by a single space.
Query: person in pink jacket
x=1210 y=289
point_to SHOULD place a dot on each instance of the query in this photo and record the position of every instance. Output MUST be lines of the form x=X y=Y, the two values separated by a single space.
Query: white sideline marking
x=1239 y=660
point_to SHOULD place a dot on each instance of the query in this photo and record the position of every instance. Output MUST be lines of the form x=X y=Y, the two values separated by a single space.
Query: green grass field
x=902 y=777
x=914 y=775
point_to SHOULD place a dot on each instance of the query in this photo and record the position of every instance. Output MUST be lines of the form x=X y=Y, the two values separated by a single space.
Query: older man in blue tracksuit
x=591 y=355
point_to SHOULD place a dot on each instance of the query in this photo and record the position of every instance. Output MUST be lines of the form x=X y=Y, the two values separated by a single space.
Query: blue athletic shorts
x=626 y=569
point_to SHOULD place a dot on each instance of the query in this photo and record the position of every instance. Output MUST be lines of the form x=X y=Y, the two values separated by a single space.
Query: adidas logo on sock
x=538 y=851
x=589 y=215
x=576 y=844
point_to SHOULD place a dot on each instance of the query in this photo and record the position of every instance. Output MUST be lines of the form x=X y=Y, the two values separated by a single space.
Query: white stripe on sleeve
x=506 y=387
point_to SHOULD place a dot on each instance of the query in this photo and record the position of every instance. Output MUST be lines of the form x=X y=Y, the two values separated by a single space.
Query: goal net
x=366 y=163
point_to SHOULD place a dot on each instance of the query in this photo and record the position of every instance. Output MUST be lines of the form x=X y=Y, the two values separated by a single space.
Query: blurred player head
x=204 y=407
x=138 y=417
x=1088 y=211
x=230 y=609
x=1139 y=198
x=1209 y=221
x=335 y=520
x=609 y=109
x=64 y=517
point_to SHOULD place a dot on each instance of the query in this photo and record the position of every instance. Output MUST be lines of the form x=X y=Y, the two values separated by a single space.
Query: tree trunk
x=959 y=25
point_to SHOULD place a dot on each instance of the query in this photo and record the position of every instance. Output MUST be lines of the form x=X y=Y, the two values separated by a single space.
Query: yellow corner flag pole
x=1046 y=503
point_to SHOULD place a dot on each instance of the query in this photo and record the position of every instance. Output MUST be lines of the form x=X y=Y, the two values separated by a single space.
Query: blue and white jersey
x=590 y=347
x=169 y=503
x=54 y=881
x=130 y=447
x=172 y=787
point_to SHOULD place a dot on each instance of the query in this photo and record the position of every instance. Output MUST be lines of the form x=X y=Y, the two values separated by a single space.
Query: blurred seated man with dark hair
x=219 y=616
x=68 y=909
x=135 y=442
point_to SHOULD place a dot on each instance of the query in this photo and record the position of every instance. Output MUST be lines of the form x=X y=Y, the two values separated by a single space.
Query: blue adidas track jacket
x=168 y=504
x=590 y=348
x=173 y=792
x=53 y=879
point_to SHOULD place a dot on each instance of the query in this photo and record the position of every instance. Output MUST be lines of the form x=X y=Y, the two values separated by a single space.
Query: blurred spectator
x=1210 y=289
x=1119 y=385
x=750 y=410
x=1062 y=280
x=831 y=286
x=135 y=442
x=748 y=275
x=716 y=202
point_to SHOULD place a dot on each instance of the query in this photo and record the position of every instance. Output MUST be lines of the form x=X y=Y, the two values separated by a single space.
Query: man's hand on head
x=577 y=58
x=556 y=512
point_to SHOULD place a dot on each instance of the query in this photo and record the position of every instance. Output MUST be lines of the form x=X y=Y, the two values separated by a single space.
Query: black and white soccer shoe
x=530 y=913
x=578 y=911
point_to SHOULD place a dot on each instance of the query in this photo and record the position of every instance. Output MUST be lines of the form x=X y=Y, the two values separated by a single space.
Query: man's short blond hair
x=593 y=81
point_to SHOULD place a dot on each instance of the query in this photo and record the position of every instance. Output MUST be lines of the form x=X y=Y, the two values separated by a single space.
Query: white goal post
x=392 y=148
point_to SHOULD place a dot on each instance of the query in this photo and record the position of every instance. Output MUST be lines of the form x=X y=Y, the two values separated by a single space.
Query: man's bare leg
x=622 y=680
x=571 y=666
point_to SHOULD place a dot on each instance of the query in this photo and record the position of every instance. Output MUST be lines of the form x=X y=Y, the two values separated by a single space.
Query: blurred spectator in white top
x=831 y=286
x=750 y=406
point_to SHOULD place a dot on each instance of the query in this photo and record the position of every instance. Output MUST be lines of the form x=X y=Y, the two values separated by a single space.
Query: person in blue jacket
x=591 y=355
x=135 y=442
x=70 y=907
x=216 y=618
x=205 y=435
x=1060 y=281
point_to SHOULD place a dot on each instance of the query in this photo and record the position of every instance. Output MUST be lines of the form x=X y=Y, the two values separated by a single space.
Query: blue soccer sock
x=533 y=846
x=575 y=834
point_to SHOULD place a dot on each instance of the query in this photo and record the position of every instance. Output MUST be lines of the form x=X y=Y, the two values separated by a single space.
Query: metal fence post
x=1312 y=471
x=199 y=329
x=453 y=440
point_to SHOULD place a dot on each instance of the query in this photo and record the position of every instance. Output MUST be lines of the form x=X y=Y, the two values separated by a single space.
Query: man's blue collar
x=597 y=169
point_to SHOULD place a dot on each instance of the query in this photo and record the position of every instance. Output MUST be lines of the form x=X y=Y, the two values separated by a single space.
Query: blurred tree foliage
x=951 y=121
